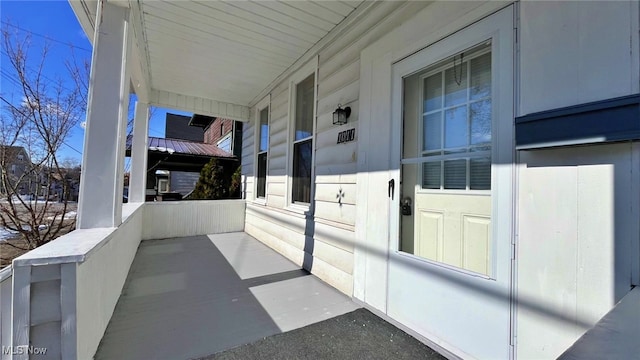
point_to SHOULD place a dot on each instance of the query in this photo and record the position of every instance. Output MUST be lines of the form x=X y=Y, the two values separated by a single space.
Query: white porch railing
x=189 y=218
x=5 y=308
x=64 y=293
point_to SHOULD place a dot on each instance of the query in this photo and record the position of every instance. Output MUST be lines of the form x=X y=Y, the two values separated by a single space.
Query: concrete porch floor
x=195 y=296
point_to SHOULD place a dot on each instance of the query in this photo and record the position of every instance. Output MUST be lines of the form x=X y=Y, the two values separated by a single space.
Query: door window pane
x=481 y=77
x=433 y=131
x=433 y=92
x=480 y=122
x=455 y=174
x=431 y=175
x=455 y=131
x=480 y=174
x=456 y=84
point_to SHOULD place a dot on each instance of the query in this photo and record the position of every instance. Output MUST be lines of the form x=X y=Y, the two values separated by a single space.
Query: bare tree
x=35 y=120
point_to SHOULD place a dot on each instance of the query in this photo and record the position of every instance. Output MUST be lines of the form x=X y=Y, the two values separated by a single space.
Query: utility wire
x=45 y=36
x=43 y=75
x=72 y=148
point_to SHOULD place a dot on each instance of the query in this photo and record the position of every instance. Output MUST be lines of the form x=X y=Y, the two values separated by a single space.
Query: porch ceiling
x=227 y=51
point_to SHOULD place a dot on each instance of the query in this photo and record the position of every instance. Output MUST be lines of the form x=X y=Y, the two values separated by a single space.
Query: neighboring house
x=483 y=194
x=65 y=185
x=224 y=133
x=16 y=163
x=173 y=165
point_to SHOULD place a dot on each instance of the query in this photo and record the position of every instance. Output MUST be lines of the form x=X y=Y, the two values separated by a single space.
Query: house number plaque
x=346 y=136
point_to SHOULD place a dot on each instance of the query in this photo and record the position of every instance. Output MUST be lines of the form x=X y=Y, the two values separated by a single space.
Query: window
x=303 y=140
x=163 y=185
x=225 y=143
x=13 y=169
x=263 y=148
x=456 y=123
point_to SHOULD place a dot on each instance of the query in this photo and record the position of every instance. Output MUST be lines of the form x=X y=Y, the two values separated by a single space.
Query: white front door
x=450 y=256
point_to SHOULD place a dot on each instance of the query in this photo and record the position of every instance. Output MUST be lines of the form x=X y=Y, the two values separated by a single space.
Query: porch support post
x=139 y=146
x=101 y=182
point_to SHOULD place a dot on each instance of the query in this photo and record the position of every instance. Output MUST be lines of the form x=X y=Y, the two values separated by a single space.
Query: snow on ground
x=67 y=216
x=6 y=234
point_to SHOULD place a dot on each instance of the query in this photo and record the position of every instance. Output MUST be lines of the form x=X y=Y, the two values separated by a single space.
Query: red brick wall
x=214 y=133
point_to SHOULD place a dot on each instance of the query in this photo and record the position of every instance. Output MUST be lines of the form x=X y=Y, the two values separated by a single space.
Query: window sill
x=260 y=201
x=302 y=209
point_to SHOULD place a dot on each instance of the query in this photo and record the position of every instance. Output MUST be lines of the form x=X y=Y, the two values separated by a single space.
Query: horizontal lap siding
x=335 y=164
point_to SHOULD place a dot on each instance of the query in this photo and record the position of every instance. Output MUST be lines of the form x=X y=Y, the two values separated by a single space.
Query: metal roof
x=184 y=147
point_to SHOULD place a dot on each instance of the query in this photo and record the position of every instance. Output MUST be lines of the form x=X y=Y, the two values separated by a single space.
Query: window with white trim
x=263 y=149
x=303 y=140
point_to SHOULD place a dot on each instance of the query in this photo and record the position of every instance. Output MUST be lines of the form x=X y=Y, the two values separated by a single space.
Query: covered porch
x=189 y=297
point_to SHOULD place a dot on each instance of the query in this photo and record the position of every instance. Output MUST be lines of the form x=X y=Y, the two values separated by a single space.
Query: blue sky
x=56 y=21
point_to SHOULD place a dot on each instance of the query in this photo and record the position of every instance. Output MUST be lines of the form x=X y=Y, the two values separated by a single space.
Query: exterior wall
x=324 y=241
x=576 y=209
x=578 y=213
x=213 y=133
x=592 y=53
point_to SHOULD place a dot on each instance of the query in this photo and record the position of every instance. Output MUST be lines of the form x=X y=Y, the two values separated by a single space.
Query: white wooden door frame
x=435 y=22
x=376 y=164
x=498 y=29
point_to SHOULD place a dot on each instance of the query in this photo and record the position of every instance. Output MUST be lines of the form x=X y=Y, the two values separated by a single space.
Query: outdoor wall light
x=340 y=115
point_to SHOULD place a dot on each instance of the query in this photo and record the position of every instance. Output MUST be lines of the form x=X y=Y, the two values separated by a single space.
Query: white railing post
x=100 y=202
x=139 y=144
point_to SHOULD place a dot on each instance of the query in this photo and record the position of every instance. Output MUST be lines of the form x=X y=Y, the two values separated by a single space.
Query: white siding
x=576 y=52
x=335 y=164
x=578 y=221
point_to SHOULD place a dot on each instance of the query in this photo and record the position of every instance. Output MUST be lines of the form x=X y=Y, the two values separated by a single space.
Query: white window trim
x=310 y=68
x=264 y=103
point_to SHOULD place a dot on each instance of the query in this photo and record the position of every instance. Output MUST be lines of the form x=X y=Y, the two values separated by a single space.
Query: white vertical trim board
x=21 y=308
x=635 y=196
x=69 y=307
x=5 y=308
x=139 y=153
